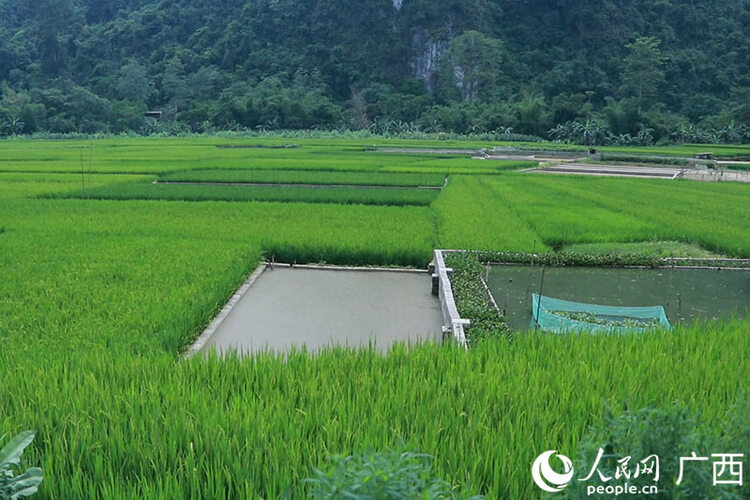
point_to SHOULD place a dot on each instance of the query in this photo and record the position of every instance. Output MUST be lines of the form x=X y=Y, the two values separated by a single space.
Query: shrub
x=14 y=486
x=669 y=433
x=380 y=476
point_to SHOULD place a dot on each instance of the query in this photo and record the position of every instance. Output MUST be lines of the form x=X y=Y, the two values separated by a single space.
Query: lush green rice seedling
x=380 y=475
x=307 y=177
x=462 y=166
x=711 y=214
x=560 y=218
x=470 y=216
x=209 y=192
x=124 y=425
x=24 y=184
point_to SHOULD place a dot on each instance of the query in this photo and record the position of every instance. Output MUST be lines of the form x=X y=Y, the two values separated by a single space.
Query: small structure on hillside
x=156 y=115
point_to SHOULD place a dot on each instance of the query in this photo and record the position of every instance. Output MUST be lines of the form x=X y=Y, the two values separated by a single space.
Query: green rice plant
x=561 y=219
x=142 y=425
x=22 y=185
x=462 y=166
x=143 y=258
x=708 y=214
x=469 y=216
x=306 y=177
x=208 y=192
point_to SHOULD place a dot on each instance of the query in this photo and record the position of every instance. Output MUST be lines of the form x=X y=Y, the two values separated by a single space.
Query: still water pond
x=686 y=294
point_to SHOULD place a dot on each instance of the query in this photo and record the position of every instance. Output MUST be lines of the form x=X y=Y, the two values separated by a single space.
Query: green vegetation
x=307 y=177
x=22 y=185
x=100 y=298
x=669 y=433
x=615 y=321
x=146 y=426
x=560 y=211
x=162 y=156
x=632 y=74
x=470 y=216
x=658 y=249
x=197 y=192
x=473 y=300
x=465 y=166
x=388 y=475
x=13 y=485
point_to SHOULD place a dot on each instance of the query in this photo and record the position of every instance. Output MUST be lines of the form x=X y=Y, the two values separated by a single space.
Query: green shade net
x=561 y=316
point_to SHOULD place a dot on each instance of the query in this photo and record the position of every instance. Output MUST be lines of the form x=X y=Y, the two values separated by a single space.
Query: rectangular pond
x=294 y=307
x=686 y=294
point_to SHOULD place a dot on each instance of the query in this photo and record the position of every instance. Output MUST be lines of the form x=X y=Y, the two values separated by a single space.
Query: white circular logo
x=546 y=478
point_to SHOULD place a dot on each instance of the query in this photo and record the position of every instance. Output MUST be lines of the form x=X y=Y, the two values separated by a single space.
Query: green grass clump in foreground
x=127 y=426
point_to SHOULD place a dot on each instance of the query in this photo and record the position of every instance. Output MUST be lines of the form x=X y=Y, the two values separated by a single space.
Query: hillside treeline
x=596 y=71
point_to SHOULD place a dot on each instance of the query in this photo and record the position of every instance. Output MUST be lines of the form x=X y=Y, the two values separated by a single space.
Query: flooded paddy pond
x=294 y=307
x=686 y=294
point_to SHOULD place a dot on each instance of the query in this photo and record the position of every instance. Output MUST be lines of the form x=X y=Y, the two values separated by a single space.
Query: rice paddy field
x=109 y=273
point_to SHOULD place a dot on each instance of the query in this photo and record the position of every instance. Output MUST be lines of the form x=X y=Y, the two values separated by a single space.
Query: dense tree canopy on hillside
x=670 y=67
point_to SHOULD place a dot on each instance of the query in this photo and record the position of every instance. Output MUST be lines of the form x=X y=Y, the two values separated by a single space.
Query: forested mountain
x=453 y=65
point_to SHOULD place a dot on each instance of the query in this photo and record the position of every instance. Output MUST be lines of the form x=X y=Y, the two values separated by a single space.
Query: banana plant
x=14 y=486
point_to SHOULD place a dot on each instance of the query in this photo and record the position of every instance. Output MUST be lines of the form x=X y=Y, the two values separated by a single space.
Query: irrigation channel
x=686 y=294
x=281 y=307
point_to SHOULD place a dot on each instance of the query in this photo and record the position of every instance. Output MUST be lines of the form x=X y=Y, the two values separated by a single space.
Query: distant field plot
x=560 y=218
x=521 y=212
x=160 y=156
x=107 y=274
x=462 y=166
x=719 y=150
x=163 y=155
x=306 y=177
x=30 y=184
x=210 y=192
x=713 y=215
x=339 y=234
